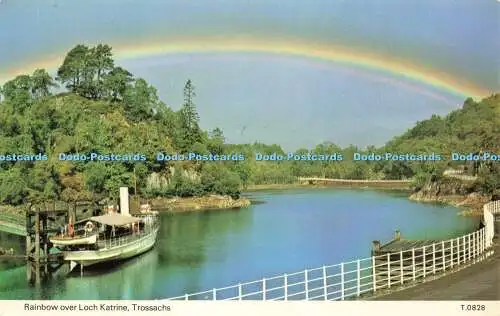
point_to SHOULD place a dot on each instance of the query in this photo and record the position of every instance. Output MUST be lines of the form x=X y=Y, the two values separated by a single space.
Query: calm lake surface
x=293 y=230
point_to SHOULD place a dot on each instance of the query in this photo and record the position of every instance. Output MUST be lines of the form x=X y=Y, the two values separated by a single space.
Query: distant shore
x=185 y=204
x=471 y=204
x=355 y=185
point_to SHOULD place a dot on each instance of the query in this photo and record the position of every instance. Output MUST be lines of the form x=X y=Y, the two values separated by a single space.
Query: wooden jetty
x=41 y=220
x=401 y=260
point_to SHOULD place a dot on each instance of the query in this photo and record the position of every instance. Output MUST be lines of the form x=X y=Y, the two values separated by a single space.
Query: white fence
x=490 y=210
x=350 y=280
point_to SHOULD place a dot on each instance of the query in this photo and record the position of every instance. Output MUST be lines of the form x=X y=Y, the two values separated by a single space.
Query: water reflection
x=185 y=241
x=292 y=231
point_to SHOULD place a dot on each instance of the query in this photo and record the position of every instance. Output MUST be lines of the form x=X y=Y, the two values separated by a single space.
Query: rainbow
x=376 y=63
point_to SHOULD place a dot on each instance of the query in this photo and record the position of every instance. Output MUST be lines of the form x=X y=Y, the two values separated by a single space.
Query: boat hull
x=91 y=257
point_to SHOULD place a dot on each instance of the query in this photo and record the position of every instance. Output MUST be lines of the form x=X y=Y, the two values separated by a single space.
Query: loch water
x=290 y=231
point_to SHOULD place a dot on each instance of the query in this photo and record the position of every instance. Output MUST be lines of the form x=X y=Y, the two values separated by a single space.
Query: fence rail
x=350 y=280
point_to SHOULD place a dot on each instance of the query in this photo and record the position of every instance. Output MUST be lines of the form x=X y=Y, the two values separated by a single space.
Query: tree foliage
x=107 y=110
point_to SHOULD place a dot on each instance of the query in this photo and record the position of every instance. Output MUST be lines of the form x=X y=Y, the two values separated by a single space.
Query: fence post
x=478 y=243
x=240 y=292
x=424 y=260
x=444 y=255
x=401 y=265
x=325 y=284
x=434 y=258
x=481 y=241
x=374 y=275
x=469 y=247
x=359 y=277
x=474 y=241
x=214 y=294
x=463 y=241
x=388 y=270
x=263 y=289
x=475 y=244
x=306 y=284
x=286 y=287
x=451 y=253
x=342 y=280
x=413 y=263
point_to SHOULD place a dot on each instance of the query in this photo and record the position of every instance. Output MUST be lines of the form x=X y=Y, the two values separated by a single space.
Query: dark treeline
x=105 y=109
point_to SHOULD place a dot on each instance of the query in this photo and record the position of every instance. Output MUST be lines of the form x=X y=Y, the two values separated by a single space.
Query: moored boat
x=109 y=237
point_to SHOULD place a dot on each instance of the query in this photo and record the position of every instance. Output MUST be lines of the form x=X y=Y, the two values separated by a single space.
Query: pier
x=40 y=221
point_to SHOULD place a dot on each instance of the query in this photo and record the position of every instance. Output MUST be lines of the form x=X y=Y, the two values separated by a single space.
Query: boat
x=79 y=233
x=109 y=237
x=62 y=240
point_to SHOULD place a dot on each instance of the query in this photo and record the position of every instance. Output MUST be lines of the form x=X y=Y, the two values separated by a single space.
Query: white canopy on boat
x=115 y=219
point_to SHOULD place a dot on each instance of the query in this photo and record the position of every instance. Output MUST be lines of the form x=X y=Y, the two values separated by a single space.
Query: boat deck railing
x=119 y=240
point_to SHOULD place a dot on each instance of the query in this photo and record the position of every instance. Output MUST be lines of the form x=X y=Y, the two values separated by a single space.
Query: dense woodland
x=103 y=108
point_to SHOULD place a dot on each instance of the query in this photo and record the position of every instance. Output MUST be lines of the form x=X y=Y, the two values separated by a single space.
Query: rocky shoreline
x=471 y=204
x=453 y=192
x=198 y=203
x=176 y=204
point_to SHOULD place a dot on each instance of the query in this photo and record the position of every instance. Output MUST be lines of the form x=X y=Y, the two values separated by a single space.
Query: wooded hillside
x=105 y=109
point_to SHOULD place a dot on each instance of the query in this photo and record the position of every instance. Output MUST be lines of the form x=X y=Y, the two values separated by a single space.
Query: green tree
x=216 y=141
x=73 y=72
x=140 y=101
x=83 y=70
x=42 y=83
x=189 y=130
x=18 y=92
x=116 y=82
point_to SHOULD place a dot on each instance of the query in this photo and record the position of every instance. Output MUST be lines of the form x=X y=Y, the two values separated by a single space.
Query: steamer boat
x=110 y=237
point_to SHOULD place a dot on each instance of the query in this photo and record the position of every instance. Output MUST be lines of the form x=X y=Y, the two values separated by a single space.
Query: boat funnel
x=124 y=202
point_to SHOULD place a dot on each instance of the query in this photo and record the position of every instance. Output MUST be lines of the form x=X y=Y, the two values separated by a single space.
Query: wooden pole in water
x=28 y=233
x=45 y=237
x=37 y=273
x=37 y=236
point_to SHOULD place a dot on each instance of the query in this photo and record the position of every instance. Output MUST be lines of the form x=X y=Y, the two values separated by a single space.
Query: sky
x=294 y=73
